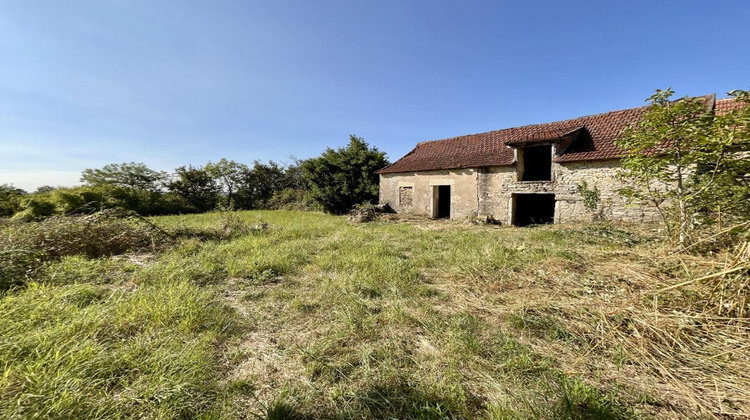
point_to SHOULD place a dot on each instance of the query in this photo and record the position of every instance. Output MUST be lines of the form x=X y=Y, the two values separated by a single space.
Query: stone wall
x=463 y=182
x=406 y=197
x=489 y=191
x=603 y=176
x=495 y=184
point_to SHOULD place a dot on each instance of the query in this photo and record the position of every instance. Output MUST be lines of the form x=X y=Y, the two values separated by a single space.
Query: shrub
x=340 y=179
x=87 y=199
x=68 y=200
x=35 y=208
x=10 y=199
x=591 y=197
x=689 y=163
x=27 y=246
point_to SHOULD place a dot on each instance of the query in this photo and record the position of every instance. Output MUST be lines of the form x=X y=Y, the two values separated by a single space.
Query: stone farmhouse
x=522 y=175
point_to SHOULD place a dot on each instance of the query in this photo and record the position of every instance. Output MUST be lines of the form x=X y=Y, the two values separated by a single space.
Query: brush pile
x=364 y=213
x=24 y=247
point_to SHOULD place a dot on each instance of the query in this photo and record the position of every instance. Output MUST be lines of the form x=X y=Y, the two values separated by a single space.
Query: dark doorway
x=533 y=209
x=537 y=163
x=443 y=202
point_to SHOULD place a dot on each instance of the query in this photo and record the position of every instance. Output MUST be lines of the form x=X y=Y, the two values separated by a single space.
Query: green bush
x=27 y=246
x=68 y=200
x=10 y=199
x=87 y=199
x=340 y=179
x=35 y=208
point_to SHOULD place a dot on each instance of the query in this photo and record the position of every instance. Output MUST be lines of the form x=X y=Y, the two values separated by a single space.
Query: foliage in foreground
x=93 y=351
x=90 y=334
x=378 y=320
x=689 y=163
x=25 y=247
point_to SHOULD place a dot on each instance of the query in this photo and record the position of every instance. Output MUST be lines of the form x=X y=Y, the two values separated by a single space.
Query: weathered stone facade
x=557 y=172
x=463 y=191
x=490 y=191
x=405 y=197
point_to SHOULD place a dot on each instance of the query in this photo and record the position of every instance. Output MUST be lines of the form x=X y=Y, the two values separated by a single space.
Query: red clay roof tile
x=727 y=104
x=581 y=139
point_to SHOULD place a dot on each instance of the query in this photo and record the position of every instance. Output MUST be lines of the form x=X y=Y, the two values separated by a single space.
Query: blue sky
x=168 y=83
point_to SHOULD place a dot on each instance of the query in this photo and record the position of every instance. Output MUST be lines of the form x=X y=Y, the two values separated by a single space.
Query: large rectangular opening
x=537 y=163
x=533 y=209
x=441 y=202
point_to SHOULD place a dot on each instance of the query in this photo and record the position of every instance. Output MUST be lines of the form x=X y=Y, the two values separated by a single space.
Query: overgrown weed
x=25 y=247
x=229 y=226
x=394 y=319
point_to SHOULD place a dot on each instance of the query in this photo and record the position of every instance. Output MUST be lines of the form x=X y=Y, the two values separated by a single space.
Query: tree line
x=334 y=182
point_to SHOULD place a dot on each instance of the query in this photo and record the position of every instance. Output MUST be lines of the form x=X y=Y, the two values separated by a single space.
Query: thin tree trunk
x=682 y=202
x=656 y=201
x=683 y=225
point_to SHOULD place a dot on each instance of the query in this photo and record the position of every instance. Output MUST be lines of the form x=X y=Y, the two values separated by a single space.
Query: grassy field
x=304 y=315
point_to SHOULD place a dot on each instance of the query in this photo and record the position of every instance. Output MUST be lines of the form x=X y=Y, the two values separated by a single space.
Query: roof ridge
x=707 y=96
x=494 y=148
x=532 y=125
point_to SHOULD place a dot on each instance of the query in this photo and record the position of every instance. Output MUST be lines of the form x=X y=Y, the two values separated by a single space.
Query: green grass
x=87 y=351
x=313 y=317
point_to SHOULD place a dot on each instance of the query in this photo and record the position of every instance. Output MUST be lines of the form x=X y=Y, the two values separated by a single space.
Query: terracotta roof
x=728 y=104
x=555 y=134
x=474 y=150
x=581 y=139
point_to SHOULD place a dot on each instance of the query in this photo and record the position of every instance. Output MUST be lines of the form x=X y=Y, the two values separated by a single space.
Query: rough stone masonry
x=520 y=175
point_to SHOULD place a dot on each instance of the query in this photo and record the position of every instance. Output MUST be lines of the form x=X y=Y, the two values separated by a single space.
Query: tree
x=726 y=191
x=10 y=199
x=258 y=185
x=229 y=175
x=132 y=186
x=196 y=186
x=44 y=189
x=681 y=158
x=134 y=176
x=294 y=177
x=340 y=179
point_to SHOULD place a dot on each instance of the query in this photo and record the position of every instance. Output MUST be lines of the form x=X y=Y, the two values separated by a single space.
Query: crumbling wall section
x=405 y=197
